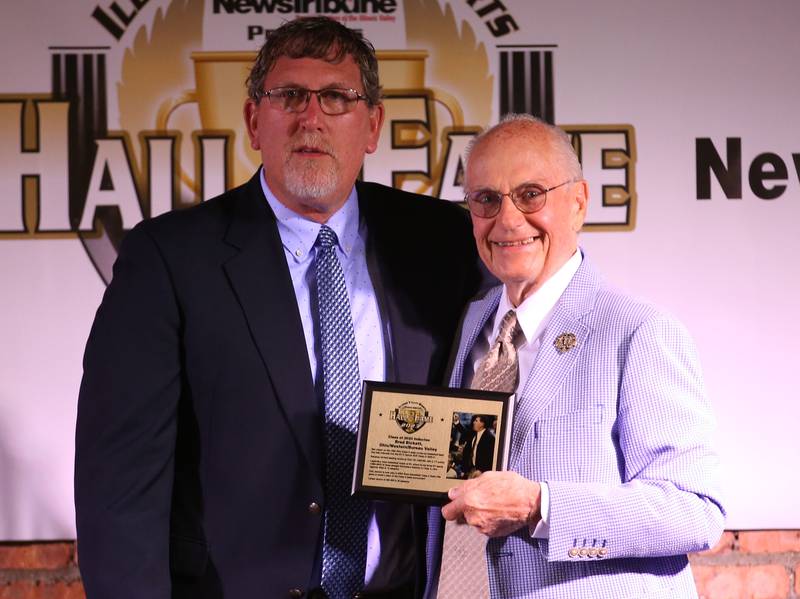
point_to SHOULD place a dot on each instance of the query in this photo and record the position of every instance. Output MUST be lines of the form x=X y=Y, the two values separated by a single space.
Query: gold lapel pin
x=565 y=342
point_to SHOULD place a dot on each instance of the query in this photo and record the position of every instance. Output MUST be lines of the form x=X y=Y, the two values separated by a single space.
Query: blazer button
x=593 y=552
x=314 y=508
x=584 y=552
x=295 y=593
x=573 y=552
x=602 y=552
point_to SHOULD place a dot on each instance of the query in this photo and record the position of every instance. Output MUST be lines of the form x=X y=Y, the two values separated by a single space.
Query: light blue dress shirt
x=298 y=236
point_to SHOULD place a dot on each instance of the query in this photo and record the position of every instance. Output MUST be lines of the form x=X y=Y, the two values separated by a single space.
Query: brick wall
x=39 y=571
x=744 y=565
x=750 y=565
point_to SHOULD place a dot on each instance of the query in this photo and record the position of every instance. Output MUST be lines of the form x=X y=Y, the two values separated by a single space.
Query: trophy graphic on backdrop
x=220 y=93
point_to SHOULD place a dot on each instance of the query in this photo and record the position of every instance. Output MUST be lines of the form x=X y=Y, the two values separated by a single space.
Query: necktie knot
x=498 y=370
x=327 y=237
x=509 y=328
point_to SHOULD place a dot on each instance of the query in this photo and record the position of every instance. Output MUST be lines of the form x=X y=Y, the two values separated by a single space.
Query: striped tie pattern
x=464 y=571
x=345 y=525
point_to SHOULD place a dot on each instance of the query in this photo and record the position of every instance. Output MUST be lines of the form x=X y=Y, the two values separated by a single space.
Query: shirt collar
x=298 y=234
x=533 y=312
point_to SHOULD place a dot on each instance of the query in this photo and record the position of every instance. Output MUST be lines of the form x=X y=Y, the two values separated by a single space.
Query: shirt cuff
x=542 y=528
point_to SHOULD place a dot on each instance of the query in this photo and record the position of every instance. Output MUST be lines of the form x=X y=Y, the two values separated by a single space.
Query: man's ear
x=580 y=200
x=251 y=122
x=376 y=116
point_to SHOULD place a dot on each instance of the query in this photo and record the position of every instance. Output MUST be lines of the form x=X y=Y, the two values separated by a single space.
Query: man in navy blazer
x=611 y=479
x=479 y=450
x=200 y=453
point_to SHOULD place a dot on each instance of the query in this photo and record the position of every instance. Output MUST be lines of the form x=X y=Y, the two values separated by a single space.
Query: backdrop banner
x=684 y=115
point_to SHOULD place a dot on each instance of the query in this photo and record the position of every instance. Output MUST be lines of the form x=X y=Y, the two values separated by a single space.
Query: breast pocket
x=560 y=424
x=573 y=446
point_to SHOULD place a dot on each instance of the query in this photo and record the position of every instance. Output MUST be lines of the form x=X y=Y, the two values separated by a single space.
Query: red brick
x=35 y=556
x=797 y=580
x=769 y=541
x=725 y=545
x=32 y=590
x=744 y=582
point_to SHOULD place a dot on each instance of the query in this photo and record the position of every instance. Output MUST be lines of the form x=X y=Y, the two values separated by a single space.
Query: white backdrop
x=640 y=80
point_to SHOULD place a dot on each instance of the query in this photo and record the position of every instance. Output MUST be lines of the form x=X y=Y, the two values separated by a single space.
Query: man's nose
x=509 y=216
x=311 y=116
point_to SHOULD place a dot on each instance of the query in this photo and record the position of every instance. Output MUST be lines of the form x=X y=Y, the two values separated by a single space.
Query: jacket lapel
x=260 y=278
x=376 y=265
x=388 y=255
x=553 y=366
x=477 y=314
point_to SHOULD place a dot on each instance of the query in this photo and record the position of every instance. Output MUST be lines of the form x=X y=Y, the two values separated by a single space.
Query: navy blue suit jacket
x=199 y=436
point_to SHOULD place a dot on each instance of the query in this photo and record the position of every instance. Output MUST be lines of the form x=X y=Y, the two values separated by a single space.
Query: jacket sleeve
x=126 y=429
x=668 y=501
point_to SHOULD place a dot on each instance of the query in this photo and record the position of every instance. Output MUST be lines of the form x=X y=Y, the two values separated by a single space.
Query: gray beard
x=308 y=181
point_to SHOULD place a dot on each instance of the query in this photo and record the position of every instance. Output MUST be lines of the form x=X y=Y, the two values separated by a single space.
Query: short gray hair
x=321 y=38
x=560 y=140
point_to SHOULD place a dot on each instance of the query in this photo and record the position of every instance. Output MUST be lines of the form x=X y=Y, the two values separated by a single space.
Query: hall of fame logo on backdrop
x=178 y=90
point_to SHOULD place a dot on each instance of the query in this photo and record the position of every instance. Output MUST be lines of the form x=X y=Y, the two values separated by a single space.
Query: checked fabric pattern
x=464 y=571
x=345 y=533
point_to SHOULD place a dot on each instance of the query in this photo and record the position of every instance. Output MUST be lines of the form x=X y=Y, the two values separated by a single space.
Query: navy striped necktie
x=344 y=547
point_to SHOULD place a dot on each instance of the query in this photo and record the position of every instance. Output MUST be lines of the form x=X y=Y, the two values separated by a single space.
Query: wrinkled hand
x=496 y=503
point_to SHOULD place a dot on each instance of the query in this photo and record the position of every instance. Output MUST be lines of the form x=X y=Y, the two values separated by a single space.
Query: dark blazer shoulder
x=421 y=227
x=212 y=219
x=377 y=197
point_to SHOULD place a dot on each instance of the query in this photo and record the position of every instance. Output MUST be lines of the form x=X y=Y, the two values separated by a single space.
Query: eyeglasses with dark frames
x=528 y=198
x=332 y=100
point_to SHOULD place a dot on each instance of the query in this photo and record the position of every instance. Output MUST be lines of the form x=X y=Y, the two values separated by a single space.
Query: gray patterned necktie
x=499 y=369
x=345 y=533
x=464 y=571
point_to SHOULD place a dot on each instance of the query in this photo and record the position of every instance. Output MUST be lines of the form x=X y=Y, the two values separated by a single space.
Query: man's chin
x=321 y=198
x=311 y=188
x=316 y=199
x=311 y=183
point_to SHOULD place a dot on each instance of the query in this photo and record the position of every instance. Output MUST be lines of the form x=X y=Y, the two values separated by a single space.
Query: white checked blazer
x=618 y=426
